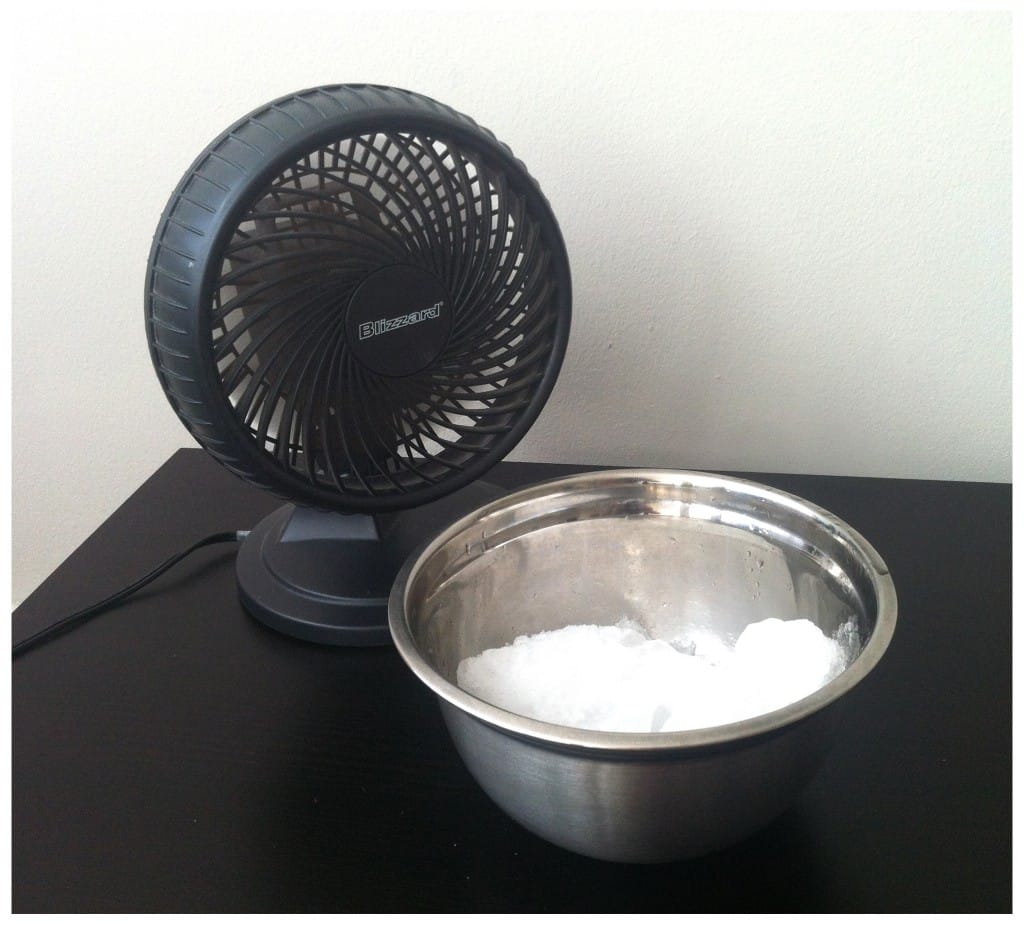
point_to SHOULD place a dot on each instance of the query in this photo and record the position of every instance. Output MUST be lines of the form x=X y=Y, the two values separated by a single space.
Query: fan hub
x=399 y=320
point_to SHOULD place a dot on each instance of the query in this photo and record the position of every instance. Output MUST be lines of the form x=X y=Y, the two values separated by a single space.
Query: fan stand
x=325 y=577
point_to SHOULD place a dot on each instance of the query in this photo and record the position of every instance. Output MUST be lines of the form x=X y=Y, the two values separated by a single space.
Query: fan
x=359 y=300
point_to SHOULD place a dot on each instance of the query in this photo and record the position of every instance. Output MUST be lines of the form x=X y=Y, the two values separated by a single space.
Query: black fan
x=358 y=299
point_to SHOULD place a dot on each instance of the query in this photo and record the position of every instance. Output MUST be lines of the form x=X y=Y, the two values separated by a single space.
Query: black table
x=176 y=755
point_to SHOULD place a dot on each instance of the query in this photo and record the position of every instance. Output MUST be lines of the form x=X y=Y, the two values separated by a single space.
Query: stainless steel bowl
x=668 y=549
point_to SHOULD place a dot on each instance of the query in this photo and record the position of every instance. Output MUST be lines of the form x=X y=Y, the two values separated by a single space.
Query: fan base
x=325 y=577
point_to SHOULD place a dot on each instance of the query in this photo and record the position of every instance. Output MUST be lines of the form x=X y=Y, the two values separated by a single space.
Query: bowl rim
x=645 y=742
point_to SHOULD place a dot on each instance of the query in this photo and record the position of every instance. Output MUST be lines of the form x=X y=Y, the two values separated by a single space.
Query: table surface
x=175 y=755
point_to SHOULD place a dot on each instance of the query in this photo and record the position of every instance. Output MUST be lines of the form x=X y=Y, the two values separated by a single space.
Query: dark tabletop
x=175 y=755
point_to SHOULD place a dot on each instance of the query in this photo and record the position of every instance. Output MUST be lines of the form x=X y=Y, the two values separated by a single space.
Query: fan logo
x=370 y=329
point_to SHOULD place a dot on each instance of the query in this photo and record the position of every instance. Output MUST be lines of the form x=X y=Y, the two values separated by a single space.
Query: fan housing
x=358 y=299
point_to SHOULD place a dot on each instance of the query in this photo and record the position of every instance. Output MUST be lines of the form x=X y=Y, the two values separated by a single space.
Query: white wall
x=790 y=234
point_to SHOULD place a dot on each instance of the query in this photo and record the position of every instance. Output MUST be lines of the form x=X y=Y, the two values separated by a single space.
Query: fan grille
x=277 y=324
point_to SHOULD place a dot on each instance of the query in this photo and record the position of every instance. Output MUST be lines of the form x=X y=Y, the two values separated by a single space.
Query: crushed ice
x=619 y=679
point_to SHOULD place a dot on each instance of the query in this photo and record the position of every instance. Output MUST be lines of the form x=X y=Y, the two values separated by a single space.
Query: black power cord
x=76 y=619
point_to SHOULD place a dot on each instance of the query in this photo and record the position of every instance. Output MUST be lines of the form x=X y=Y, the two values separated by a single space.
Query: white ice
x=618 y=679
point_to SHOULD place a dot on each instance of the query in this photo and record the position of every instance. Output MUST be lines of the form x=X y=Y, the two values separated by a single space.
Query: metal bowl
x=670 y=550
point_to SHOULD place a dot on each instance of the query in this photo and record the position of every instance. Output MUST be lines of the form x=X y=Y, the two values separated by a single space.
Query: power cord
x=76 y=619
